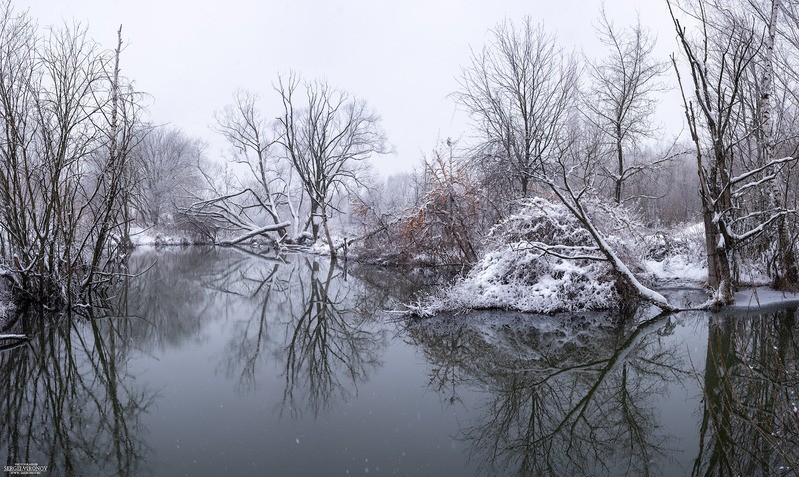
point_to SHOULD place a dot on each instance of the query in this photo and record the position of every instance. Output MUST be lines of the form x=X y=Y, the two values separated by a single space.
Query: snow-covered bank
x=678 y=269
x=156 y=236
x=543 y=261
x=676 y=256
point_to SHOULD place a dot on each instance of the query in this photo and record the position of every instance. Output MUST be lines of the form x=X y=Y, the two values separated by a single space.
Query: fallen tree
x=544 y=259
x=233 y=214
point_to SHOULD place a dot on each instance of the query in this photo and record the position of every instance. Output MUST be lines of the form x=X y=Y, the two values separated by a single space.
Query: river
x=220 y=362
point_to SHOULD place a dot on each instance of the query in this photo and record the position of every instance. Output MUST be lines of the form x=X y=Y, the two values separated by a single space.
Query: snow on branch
x=254 y=233
x=759 y=228
x=750 y=185
x=562 y=251
x=740 y=178
x=13 y=337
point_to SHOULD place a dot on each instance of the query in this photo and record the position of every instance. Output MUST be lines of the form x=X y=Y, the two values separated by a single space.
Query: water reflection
x=69 y=402
x=576 y=396
x=301 y=311
x=750 y=424
x=170 y=295
x=331 y=348
x=309 y=316
x=570 y=397
x=262 y=354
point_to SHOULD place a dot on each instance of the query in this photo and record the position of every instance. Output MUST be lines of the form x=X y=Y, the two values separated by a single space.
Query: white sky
x=402 y=56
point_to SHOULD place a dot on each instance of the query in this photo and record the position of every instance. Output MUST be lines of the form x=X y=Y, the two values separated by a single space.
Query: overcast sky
x=400 y=56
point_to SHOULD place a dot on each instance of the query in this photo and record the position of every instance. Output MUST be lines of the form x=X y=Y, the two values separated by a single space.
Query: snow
x=13 y=337
x=678 y=255
x=321 y=247
x=527 y=267
x=151 y=236
x=677 y=268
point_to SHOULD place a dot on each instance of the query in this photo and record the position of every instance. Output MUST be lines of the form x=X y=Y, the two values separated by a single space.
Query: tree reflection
x=567 y=396
x=68 y=400
x=331 y=348
x=750 y=424
x=311 y=319
x=169 y=296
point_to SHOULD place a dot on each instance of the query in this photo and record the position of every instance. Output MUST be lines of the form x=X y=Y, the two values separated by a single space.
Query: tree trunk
x=784 y=273
x=327 y=232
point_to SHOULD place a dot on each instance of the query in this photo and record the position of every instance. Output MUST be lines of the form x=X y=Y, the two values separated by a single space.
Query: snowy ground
x=676 y=256
x=153 y=236
x=676 y=269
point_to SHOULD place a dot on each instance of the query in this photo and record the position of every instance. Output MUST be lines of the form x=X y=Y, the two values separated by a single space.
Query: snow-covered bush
x=543 y=260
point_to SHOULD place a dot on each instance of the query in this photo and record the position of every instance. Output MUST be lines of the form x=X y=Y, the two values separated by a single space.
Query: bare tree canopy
x=166 y=170
x=519 y=90
x=621 y=98
x=326 y=137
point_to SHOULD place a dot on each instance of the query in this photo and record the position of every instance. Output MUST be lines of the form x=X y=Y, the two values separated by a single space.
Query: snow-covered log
x=254 y=233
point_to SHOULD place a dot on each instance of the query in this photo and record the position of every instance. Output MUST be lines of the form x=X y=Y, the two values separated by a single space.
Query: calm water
x=222 y=363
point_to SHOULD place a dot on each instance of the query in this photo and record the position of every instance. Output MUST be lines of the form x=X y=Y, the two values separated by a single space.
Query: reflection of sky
x=205 y=423
x=401 y=56
x=679 y=410
x=390 y=417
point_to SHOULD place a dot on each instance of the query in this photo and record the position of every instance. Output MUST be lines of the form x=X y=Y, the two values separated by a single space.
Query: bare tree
x=67 y=119
x=718 y=60
x=242 y=124
x=325 y=138
x=621 y=98
x=166 y=167
x=519 y=91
